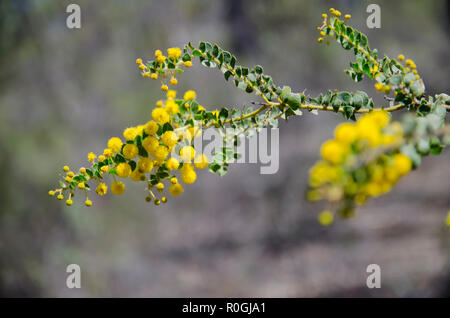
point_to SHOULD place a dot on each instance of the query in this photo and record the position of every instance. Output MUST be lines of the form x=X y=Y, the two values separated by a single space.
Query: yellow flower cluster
x=335 y=13
x=148 y=153
x=362 y=161
x=410 y=65
x=159 y=69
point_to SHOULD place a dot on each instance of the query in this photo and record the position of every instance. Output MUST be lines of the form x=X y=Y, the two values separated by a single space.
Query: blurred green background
x=63 y=92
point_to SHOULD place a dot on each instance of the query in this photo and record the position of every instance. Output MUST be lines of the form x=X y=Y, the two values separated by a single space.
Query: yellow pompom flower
x=172 y=164
x=332 y=151
x=66 y=168
x=172 y=107
x=161 y=153
x=402 y=163
x=88 y=202
x=169 y=138
x=104 y=169
x=380 y=118
x=151 y=127
x=321 y=173
x=188 y=175
x=161 y=59
x=187 y=153
x=176 y=189
x=101 y=189
x=117 y=188
x=60 y=196
x=51 y=193
x=130 y=151
x=379 y=87
x=347 y=16
x=346 y=133
x=81 y=185
x=160 y=115
x=130 y=133
x=123 y=170
x=324 y=15
x=158 y=53
x=189 y=95
x=115 y=144
x=101 y=158
x=173 y=81
x=137 y=176
x=164 y=88
x=154 y=76
x=326 y=218
x=91 y=157
x=374 y=189
x=107 y=153
x=69 y=202
x=391 y=174
x=139 y=61
x=160 y=186
x=150 y=144
x=145 y=164
x=171 y=94
x=142 y=67
x=201 y=161
x=83 y=170
x=174 y=53
x=68 y=179
x=188 y=63
x=70 y=174
x=320 y=40
x=401 y=57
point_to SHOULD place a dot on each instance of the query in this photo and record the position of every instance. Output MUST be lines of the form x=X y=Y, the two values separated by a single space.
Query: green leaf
x=286 y=90
x=345 y=98
x=132 y=164
x=215 y=50
x=360 y=100
x=197 y=53
x=396 y=79
x=232 y=62
x=223 y=114
x=417 y=88
x=258 y=69
x=214 y=167
x=202 y=47
x=293 y=100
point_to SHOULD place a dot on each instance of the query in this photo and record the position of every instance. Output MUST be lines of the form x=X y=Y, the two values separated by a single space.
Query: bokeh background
x=64 y=92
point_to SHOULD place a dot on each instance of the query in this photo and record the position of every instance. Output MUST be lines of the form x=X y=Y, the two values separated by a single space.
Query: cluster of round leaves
x=361 y=162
